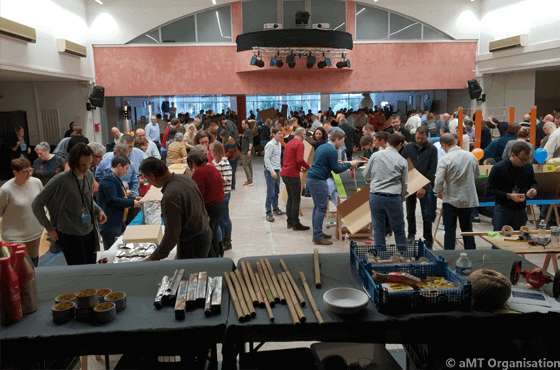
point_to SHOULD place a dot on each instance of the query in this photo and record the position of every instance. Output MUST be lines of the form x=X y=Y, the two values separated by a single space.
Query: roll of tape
x=64 y=312
x=87 y=298
x=70 y=297
x=105 y=312
x=101 y=293
x=118 y=298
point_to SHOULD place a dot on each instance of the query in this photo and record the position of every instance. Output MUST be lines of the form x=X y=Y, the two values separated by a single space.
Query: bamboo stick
x=245 y=290
x=242 y=299
x=292 y=296
x=311 y=300
x=264 y=271
x=266 y=287
x=249 y=285
x=293 y=282
x=291 y=308
x=238 y=310
x=254 y=283
x=268 y=309
x=267 y=265
x=317 y=268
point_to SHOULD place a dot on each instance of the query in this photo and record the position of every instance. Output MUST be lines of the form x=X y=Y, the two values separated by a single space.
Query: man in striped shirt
x=272 y=166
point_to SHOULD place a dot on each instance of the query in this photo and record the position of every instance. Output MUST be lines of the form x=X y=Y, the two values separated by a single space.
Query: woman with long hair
x=232 y=153
x=222 y=164
x=189 y=136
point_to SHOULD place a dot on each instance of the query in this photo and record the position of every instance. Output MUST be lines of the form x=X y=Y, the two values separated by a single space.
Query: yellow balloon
x=478 y=153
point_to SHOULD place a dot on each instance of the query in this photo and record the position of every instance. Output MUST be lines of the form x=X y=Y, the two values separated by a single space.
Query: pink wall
x=220 y=70
x=351 y=18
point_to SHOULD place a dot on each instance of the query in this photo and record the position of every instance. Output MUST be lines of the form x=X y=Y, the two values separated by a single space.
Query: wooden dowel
x=293 y=282
x=264 y=271
x=254 y=282
x=317 y=268
x=269 y=296
x=483 y=233
x=248 y=300
x=311 y=300
x=240 y=313
x=292 y=296
x=291 y=308
x=242 y=300
x=249 y=285
x=275 y=281
x=268 y=309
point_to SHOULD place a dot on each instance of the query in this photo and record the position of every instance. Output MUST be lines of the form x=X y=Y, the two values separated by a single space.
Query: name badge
x=85 y=215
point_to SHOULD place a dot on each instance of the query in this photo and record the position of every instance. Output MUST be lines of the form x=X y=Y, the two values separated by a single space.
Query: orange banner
x=533 y=133
x=511 y=115
x=477 y=129
x=460 y=127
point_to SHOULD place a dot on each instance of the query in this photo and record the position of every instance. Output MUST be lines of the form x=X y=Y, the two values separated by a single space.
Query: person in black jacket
x=9 y=149
x=77 y=138
x=424 y=158
x=349 y=139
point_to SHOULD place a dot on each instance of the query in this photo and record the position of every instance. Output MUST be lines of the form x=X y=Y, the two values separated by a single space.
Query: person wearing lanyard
x=112 y=198
x=25 y=149
x=74 y=215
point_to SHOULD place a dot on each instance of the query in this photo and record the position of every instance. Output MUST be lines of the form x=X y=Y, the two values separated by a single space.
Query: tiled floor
x=254 y=236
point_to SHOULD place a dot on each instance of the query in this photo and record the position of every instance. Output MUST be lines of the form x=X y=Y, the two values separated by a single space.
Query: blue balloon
x=540 y=155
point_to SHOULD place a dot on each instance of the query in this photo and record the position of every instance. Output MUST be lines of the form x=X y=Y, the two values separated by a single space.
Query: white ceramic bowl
x=345 y=301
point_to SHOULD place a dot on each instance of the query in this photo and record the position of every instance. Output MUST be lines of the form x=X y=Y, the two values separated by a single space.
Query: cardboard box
x=143 y=234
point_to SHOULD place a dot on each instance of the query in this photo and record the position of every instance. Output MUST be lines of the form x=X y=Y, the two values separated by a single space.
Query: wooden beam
x=511 y=115
x=478 y=129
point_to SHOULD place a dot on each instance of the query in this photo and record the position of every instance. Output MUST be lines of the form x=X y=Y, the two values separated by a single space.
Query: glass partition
x=214 y=25
x=329 y=11
x=182 y=30
x=256 y=13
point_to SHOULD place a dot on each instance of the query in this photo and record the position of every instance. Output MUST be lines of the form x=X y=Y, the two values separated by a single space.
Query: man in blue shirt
x=327 y=125
x=325 y=160
x=131 y=179
x=152 y=131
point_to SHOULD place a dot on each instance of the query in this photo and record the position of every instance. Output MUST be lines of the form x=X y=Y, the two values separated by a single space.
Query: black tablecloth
x=295 y=38
x=373 y=327
x=139 y=328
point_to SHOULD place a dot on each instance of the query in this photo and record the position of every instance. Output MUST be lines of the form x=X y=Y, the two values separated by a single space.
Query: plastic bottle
x=27 y=284
x=346 y=239
x=463 y=266
x=11 y=299
x=542 y=232
x=555 y=235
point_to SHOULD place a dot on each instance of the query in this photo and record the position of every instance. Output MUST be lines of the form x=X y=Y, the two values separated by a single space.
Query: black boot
x=227 y=243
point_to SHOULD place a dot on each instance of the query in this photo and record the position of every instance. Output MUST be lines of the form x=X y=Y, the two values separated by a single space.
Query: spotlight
x=273 y=61
x=343 y=63
x=259 y=63
x=279 y=63
x=310 y=61
x=322 y=64
x=253 y=60
x=291 y=60
x=302 y=18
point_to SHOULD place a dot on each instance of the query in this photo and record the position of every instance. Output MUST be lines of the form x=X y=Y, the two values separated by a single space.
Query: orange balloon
x=478 y=153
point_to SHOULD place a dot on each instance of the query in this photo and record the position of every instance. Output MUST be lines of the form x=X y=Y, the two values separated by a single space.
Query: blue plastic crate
x=395 y=303
x=411 y=250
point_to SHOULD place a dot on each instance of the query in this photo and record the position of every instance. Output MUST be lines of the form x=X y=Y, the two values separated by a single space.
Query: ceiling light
x=310 y=61
x=322 y=64
x=279 y=63
x=214 y=2
x=99 y=2
x=291 y=60
x=302 y=18
x=343 y=63
x=259 y=63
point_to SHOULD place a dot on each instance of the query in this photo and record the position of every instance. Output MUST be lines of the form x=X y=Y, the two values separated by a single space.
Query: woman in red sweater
x=211 y=186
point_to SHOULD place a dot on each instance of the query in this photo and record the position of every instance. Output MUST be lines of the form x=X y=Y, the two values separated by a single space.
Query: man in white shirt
x=117 y=133
x=552 y=146
x=272 y=166
x=413 y=122
x=455 y=185
x=454 y=123
x=316 y=123
x=152 y=150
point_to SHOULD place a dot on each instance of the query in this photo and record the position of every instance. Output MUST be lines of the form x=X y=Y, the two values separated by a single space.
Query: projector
x=321 y=26
x=273 y=26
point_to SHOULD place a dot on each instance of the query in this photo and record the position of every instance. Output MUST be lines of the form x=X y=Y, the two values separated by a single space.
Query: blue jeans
x=233 y=165
x=320 y=194
x=110 y=232
x=225 y=221
x=503 y=216
x=450 y=215
x=382 y=206
x=272 y=191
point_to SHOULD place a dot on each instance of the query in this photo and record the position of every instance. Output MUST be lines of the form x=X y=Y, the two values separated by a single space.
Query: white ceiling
x=7 y=75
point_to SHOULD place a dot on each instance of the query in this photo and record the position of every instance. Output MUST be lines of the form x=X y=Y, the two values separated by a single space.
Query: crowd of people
x=89 y=189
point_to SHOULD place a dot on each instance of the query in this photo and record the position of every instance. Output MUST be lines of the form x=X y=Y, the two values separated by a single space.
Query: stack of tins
x=18 y=287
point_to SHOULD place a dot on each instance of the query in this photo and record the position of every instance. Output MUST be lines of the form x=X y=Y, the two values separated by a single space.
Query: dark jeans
x=503 y=216
x=293 y=188
x=233 y=165
x=109 y=233
x=215 y=212
x=78 y=249
x=427 y=217
x=349 y=153
x=225 y=221
x=320 y=194
x=195 y=247
x=272 y=191
x=382 y=206
x=450 y=215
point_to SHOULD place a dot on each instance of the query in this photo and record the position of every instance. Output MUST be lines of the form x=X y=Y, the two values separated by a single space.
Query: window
x=191 y=104
x=376 y=24
x=214 y=25
x=182 y=30
x=290 y=9
x=256 y=13
x=329 y=11
x=293 y=101
x=345 y=101
x=148 y=38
